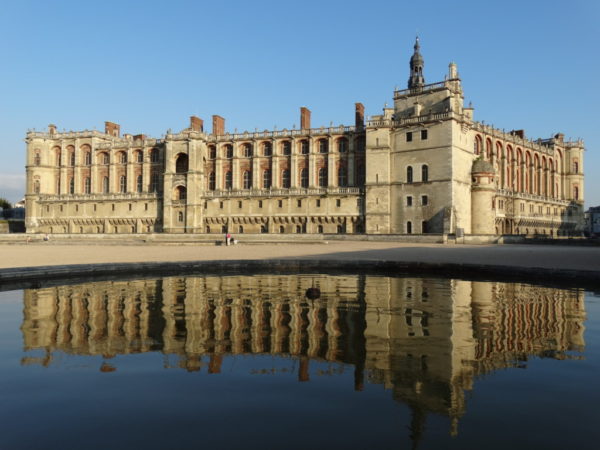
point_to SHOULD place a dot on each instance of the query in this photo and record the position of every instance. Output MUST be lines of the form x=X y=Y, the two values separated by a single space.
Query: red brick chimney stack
x=196 y=124
x=304 y=118
x=359 y=115
x=218 y=125
x=114 y=129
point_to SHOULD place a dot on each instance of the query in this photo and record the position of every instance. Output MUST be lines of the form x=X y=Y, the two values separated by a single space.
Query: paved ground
x=531 y=256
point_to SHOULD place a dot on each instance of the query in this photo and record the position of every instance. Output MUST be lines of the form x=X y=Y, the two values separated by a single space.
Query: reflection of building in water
x=426 y=339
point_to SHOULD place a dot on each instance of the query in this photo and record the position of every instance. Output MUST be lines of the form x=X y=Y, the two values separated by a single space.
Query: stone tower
x=482 y=196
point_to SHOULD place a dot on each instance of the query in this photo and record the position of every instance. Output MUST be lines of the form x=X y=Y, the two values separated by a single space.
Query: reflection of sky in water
x=251 y=361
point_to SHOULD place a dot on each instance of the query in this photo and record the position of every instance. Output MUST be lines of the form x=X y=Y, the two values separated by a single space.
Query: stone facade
x=411 y=170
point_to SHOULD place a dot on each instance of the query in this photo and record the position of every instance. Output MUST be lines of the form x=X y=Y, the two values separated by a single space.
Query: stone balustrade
x=283 y=192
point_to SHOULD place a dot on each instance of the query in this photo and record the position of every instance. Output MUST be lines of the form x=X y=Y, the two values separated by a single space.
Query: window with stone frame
x=323 y=146
x=285 y=179
x=304 y=147
x=212 y=181
x=322 y=177
x=304 y=178
x=267 y=149
x=267 y=179
x=247 y=179
x=342 y=176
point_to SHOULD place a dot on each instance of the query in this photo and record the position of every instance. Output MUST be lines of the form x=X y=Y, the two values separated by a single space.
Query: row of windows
x=424 y=200
x=94 y=207
x=103 y=157
x=424 y=174
x=299 y=203
x=87 y=184
x=285 y=179
x=247 y=150
x=263 y=228
x=409 y=135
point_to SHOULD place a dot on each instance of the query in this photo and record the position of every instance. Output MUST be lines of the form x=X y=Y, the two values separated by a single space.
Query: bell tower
x=416 y=79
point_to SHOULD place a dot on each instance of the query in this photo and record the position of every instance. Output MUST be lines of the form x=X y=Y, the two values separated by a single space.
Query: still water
x=307 y=361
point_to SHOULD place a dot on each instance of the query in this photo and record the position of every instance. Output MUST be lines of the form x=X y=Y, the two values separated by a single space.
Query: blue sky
x=149 y=65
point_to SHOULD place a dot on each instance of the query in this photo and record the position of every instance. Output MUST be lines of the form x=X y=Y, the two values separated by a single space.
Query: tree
x=5 y=204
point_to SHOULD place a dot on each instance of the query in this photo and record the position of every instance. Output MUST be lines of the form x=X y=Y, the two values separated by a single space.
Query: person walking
x=228 y=239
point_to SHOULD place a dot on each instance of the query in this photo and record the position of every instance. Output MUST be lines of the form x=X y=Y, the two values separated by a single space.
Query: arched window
x=229 y=151
x=287 y=148
x=241 y=229
x=72 y=158
x=247 y=179
x=123 y=158
x=228 y=180
x=37 y=158
x=267 y=179
x=409 y=174
x=323 y=146
x=88 y=158
x=424 y=173
x=477 y=145
x=575 y=167
x=180 y=193
x=285 y=179
x=342 y=145
x=139 y=184
x=57 y=154
x=488 y=150
x=36 y=186
x=267 y=149
x=247 y=150
x=154 y=155
x=212 y=152
x=323 y=177
x=342 y=176
x=139 y=156
x=409 y=227
x=104 y=158
x=181 y=163
x=304 y=147
x=154 y=182
x=71 y=186
x=304 y=178
x=180 y=216
x=212 y=181
x=576 y=192
x=105 y=185
x=123 y=184
x=319 y=228
x=87 y=185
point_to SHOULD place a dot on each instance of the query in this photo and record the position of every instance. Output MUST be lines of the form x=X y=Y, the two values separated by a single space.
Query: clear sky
x=149 y=65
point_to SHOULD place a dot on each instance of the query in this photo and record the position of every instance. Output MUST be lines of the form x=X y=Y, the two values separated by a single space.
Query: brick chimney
x=196 y=124
x=304 y=118
x=139 y=137
x=359 y=116
x=218 y=125
x=114 y=129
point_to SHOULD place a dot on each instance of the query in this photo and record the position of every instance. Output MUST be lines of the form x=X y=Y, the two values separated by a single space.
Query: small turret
x=482 y=196
x=417 y=62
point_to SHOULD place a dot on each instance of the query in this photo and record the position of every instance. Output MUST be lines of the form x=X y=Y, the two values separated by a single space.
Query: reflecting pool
x=299 y=361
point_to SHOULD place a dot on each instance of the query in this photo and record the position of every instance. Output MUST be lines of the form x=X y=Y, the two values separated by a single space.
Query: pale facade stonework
x=423 y=166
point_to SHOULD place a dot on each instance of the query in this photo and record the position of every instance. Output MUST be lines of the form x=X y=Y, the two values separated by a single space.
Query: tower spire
x=416 y=78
